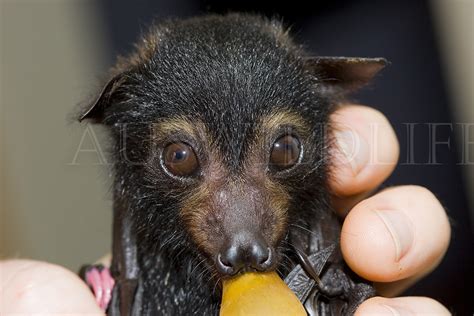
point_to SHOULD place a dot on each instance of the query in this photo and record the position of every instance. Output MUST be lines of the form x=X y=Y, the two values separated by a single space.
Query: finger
x=32 y=287
x=401 y=306
x=364 y=153
x=400 y=233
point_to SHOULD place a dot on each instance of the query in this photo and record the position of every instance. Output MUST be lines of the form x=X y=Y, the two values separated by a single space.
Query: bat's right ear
x=95 y=111
x=345 y=74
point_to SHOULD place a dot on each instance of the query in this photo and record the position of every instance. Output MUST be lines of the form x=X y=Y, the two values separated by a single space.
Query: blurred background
x=55 y=201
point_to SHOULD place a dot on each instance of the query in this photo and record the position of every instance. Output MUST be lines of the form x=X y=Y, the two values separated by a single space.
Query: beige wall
x=50 y=61
x=454 y=20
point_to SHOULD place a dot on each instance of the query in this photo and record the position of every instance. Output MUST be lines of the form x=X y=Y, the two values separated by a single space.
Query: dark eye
x=179 y=159
x=285 y=152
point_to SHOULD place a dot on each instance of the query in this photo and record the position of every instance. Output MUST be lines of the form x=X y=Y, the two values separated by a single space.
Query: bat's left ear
x=106 y=98
x=345 y=74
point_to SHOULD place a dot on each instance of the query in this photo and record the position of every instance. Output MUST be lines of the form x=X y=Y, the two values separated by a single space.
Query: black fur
x=228 y=72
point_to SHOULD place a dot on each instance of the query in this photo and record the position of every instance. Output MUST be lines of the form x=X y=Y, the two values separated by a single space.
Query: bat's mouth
x=302 y=280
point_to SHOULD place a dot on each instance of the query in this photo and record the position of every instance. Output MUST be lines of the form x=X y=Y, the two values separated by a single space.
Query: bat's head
x=219 y=125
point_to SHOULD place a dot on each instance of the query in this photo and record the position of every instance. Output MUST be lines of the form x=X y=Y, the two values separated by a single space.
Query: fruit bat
x=220 y=142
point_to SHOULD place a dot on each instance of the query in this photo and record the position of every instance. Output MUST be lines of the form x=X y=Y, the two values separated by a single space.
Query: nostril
x=263 y=258
x=224 y=266
x=223 y=261
x=269 y=257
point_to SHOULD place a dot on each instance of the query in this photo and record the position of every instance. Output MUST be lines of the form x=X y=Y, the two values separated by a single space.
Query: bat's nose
x=245 y=252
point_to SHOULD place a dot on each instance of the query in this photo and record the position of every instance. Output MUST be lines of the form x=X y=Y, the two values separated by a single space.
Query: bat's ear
x=345 y=74
x=105 y=98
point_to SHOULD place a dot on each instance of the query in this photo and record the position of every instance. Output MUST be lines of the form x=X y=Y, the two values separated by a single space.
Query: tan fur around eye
x=284 y=118
x=279 y=201
x=194 y=209
x=180 y=125
x=198 y=205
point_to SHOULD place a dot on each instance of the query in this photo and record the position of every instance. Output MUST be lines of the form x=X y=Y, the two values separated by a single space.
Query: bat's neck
x=177 y=287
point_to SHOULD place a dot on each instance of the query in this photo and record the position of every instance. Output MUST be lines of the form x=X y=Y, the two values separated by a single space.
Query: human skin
x=394 y=237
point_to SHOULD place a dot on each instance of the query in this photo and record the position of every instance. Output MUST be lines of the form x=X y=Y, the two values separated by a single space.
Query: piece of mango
x=259 y=294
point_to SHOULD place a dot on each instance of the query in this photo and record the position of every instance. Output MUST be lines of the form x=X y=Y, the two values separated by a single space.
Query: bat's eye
x=180 y=159
x=285 y=152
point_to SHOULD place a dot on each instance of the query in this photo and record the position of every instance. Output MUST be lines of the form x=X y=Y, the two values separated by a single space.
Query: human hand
x=32 y=287
x=393 y=238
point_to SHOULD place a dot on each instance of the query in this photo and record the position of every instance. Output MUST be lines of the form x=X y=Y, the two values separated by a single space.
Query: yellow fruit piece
x=259 y=294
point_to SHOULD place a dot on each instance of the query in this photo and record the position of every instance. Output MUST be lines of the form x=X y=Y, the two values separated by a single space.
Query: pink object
x=102 y=284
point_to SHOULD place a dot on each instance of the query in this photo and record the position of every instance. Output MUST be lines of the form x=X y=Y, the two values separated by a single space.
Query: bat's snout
x=245 y=252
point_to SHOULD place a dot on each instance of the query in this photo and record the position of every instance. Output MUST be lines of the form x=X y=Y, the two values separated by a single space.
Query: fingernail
x=397 y=310
x=354 y=148
x=400 y=229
